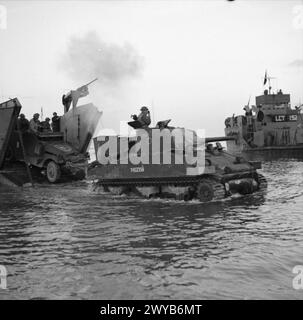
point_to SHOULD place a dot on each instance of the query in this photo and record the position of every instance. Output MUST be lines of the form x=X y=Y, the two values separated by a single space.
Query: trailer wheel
x=205 y=192
x=53 y=172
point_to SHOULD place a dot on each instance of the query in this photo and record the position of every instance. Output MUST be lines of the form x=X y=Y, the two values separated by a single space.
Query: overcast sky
x=195 y=62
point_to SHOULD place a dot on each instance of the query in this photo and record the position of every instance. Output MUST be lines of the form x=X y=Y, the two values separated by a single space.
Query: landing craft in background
x=269 y=125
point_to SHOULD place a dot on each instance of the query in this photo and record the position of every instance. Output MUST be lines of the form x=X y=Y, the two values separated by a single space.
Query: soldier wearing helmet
x=23 y=123
x=46 y=127
x=144 y=117
x=34 y=124
x=55 y=122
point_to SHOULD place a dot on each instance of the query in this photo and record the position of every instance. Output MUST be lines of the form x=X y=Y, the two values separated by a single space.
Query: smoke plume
x=296 y=63
x=88 y=57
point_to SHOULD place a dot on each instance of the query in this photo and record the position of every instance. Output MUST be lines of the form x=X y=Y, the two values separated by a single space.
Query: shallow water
x=70 y=242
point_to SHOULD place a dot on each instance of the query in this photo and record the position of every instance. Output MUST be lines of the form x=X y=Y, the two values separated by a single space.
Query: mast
x=268 y=79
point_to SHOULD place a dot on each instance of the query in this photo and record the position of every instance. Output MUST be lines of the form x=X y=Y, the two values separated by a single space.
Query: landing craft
x=55 y=154
x=271 y=125
x=221 y=175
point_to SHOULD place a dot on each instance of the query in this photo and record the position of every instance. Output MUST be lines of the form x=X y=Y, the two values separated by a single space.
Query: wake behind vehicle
x=221 y=175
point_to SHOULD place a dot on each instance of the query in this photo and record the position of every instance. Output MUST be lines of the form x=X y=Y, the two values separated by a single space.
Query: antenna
x=268 y=78
x=246 y=108
x=249 y=100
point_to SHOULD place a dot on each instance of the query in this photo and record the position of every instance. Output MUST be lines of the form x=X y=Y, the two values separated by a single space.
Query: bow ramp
x=9 y=112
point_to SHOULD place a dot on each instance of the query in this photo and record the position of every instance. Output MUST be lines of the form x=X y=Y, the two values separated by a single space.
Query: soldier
x=23 y=123
x=144 y=117
x=55 y=122
x=66 y=101
x=46 y=125
x=34 y=124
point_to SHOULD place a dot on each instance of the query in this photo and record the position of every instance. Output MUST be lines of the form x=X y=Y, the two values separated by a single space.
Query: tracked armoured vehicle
x=219 y=176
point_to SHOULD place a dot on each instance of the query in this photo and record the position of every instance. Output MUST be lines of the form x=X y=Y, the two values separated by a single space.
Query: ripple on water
x=67 y=241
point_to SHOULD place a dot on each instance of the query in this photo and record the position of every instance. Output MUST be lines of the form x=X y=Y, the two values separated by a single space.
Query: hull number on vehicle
x=137 y=169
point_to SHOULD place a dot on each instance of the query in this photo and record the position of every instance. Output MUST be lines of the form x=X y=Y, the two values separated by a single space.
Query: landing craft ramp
x=80 y=124
x=9 y=112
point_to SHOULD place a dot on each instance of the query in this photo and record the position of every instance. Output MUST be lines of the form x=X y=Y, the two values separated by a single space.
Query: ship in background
x=269 y=125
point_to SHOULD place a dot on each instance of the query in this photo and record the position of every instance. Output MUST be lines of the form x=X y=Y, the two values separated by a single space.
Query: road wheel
x=53 y=172
x=205 y=192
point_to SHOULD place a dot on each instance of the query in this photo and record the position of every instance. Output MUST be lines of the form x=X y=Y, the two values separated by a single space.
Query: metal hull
x=78 y=126
x=220 y=176
x=265 y=153
x=271 y=126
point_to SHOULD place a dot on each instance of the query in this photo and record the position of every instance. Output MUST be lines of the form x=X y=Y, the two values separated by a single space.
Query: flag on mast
x=74 y=95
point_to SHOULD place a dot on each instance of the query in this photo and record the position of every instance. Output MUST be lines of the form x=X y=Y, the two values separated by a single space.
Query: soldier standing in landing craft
x=34 y=124
x=23 y=123
x=46 y=125
x=55 y=122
